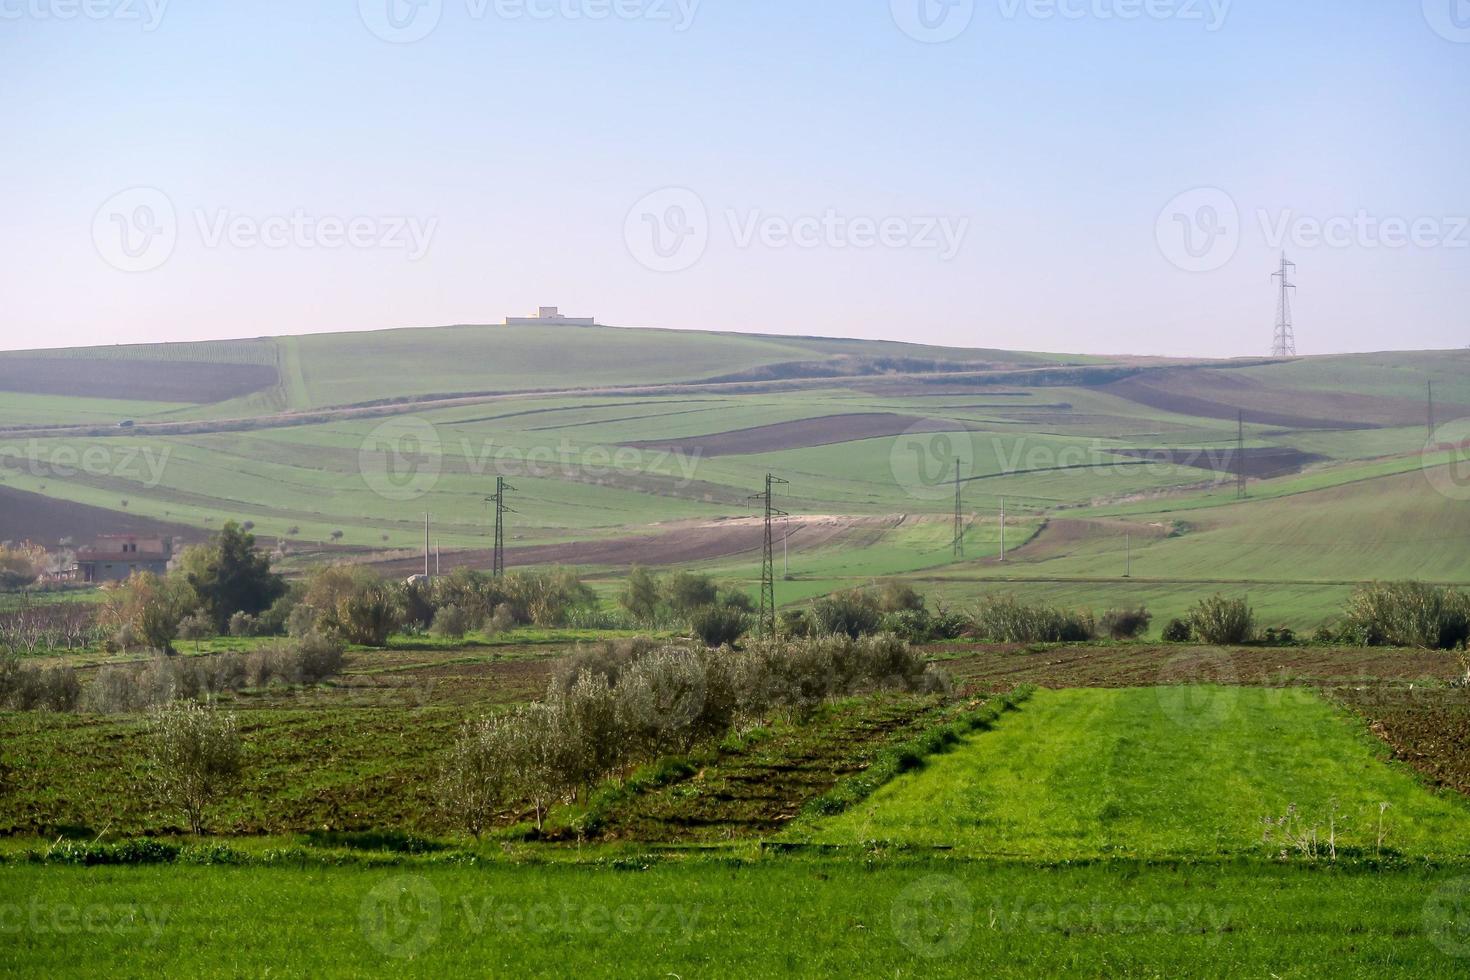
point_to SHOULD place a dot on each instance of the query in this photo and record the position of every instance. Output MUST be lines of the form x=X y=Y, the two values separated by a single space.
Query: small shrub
x=718 y=626
x=1125 y=624
x=243 y=624
x=1409 y=614
x=451 y=622
x=1004 y=620
x=1219 y=620
x=853 y=613
x=1177 y=631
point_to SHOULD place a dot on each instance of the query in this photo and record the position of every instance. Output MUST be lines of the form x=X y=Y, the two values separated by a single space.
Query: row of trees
x=625 y=706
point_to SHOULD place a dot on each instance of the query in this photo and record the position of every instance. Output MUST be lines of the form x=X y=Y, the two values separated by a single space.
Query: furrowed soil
x=1426 y=727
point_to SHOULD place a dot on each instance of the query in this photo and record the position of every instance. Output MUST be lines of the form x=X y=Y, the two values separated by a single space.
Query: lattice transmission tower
x=498 y=503
x=768 y=556
x=1284 y=344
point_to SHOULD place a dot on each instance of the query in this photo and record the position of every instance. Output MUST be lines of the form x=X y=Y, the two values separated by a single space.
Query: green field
x=1157 y=773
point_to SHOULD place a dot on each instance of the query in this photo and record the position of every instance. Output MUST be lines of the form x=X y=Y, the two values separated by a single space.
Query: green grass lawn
x=1156 y=773
x=708 y=917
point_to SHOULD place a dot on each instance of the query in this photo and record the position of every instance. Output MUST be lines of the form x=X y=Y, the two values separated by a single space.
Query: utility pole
x=1284 y=344
x=785 y=550
x=1002 y=529
x=436 y=558
x=1430 y=386
x=1240 y=491
x=1127 y=554
x=426 y=545
x=497 y=567
x=768 y=564
x=959 y=520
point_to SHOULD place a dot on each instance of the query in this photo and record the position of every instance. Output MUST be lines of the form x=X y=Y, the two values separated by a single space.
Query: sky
x=1092 y=176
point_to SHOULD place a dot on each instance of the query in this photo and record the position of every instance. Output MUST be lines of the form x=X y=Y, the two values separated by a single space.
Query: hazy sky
x=995 y=173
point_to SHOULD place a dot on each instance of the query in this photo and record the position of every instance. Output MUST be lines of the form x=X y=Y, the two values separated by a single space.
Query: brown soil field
x=134 y=380
x=1000 y=667
x=823 y=430
x=1220 y=394
x=672 y=544
x=1426 y=727
x=1263 y=463
x=46 y=521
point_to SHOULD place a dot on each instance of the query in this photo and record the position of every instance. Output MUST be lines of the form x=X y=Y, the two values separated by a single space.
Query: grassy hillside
x=626 y=445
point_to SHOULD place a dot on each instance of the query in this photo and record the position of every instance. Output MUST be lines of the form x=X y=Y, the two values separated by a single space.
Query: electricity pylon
x=497 y=568
x=768 y=556
x=1284 y=344
x=959 y=520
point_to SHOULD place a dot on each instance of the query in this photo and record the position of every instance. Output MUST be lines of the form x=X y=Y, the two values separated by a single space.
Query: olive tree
x=194 y=756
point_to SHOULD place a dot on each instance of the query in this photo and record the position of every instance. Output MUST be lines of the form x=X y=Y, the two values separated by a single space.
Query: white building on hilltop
x=550 y=315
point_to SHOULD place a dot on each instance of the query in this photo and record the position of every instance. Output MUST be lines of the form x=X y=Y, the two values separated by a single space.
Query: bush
x=354 y=604
x=244 y=624
x=145 y=611
x=194 y=756
x=718 y=626
x=853 y=613
x=894 y=597
x=640 y=595
x=1126 y=624
x=685 y=592
x=451 y=622
x=794 y=623
x=1177 y=631
x=1408 y=614
x=1004 y=620
x=26 y=688
x=480 y=774
x=1220 y=620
